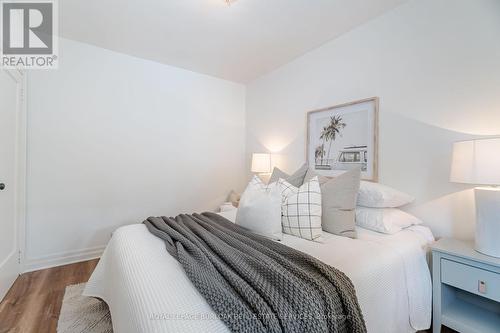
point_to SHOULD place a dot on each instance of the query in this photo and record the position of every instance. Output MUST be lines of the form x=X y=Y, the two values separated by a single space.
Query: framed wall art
x=344 y=137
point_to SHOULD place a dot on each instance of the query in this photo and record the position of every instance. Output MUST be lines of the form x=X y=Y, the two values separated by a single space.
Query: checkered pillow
x=301 y=209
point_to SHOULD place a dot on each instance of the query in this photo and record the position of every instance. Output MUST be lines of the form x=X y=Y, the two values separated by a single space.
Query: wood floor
x=33 y=303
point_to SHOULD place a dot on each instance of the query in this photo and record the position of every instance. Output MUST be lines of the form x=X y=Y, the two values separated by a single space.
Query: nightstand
x=466 y=288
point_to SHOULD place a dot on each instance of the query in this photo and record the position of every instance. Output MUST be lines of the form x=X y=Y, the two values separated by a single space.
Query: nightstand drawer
x=475 y=280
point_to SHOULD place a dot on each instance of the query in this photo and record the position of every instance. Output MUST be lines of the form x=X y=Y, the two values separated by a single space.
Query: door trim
x=19 y=78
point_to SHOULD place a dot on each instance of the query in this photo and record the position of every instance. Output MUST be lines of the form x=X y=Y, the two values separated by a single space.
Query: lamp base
x=488 y=220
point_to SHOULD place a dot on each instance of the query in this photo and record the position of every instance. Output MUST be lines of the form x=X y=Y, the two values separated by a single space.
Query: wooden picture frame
x=343 y=137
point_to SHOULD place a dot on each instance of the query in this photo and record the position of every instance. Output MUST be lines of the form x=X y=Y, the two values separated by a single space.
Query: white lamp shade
x=261 y=162
x=476 y=162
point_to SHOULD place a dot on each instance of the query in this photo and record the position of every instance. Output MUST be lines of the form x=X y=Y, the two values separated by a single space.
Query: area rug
x=81 y=314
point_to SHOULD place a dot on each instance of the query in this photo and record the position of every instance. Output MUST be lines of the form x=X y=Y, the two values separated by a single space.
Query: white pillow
x=384 y=220
x=301 y=209
x=376 y=195
x=259 y=209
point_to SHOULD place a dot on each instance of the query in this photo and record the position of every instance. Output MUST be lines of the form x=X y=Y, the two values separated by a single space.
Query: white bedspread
x=147 y=290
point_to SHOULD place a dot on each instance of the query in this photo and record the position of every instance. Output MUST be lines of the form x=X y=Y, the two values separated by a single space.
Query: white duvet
x=147 y=290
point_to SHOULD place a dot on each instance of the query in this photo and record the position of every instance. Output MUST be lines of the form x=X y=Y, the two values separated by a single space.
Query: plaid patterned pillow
x=301 y=209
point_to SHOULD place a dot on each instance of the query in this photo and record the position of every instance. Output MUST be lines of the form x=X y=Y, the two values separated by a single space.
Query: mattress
x=147 y=290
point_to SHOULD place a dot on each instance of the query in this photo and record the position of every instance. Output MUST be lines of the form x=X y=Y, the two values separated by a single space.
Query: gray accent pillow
x=338 y=200
x=296 y=179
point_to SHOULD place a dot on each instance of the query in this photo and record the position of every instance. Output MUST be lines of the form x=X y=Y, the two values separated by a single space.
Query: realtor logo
x=29 y=34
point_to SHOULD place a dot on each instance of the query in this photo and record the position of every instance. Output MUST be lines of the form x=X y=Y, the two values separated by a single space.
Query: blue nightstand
x=466 y=288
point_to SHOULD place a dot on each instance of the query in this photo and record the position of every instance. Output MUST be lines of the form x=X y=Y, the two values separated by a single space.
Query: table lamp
x=478 y=162
x=261 y=163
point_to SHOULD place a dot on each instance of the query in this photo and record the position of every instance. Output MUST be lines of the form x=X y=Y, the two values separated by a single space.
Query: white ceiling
x=239 y=42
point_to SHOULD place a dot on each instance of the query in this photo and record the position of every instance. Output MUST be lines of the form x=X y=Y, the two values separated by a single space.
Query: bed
x=147 y=290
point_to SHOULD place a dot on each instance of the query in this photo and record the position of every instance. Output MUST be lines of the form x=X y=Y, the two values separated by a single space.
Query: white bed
x=147 y=290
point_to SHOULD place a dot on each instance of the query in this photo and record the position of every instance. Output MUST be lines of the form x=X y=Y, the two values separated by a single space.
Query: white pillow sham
x=376 y=195
x=259 y=209
x=384 y=220
x=301 y=209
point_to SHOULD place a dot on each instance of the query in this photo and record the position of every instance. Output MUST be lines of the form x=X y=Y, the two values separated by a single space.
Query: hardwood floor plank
x=33 y=303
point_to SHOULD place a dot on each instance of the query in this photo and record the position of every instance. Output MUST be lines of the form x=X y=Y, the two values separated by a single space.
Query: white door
x=10 y=105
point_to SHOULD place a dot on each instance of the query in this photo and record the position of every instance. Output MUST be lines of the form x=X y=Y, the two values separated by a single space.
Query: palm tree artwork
x=319 y=153
x=328 y=135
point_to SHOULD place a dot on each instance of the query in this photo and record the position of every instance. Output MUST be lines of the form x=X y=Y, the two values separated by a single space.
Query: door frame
x=19 y=78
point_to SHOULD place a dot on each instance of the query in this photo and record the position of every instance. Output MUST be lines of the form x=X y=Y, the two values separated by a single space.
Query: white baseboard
x=63 y=258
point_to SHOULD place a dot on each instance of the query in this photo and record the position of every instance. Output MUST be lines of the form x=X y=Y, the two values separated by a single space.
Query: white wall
x=113 y=139
x=435 y=64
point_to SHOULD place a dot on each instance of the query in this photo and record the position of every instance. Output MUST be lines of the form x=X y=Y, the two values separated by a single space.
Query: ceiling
x=239 y=42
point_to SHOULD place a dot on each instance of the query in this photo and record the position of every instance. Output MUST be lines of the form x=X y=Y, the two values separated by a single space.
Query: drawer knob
x=481 y=287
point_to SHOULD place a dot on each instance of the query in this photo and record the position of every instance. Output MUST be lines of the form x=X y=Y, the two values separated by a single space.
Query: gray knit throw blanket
x=255 y=284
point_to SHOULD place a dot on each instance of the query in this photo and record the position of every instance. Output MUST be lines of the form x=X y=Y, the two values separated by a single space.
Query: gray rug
x=81 y=314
